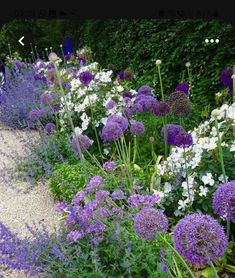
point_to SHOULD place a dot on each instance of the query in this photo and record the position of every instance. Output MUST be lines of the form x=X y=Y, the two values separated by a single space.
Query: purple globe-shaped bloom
x=148 y=222
x=145 y=90
x=111 y=132
x=110 y=104
x=50 y=128
x=121 y=121
x=127 y=94
x=109 y=166
x=200 y=239
x=46 y=99
x=225 y=77
x=86 y=77
x=128 y=112
x=183 y=87
x=33 y=115
x=172 y=131
x=224 y=201
x=137 y=128
x=147 y=102
x=161 y=108
x=84 y=141
x=121 y=75
x=183 y=139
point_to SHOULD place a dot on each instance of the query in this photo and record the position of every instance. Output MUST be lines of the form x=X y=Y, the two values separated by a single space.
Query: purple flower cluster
x=200 y=239
x=148 y=222
x=84 y=141
x=46 y=99
x=36 y=114
x=137 y=128
x=118 y=195
x=111 y=104
x=50 y=128
x=161 y=108
x=226 y=77
x=126 y=75
x=224 y=201
x=78 y=198
x=139 y=200
x=109 y=166
x=114 y=128
x=94 y=183
x=172 y=131
x=183 y=87
x=183 y=139
x=86 y=77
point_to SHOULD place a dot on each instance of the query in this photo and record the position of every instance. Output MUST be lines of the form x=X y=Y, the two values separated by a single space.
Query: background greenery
x=136 y=44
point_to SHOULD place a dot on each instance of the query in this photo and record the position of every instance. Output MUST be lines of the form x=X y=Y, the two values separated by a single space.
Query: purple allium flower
x=181 y=108
x=145 y=90
x=121 y=121
x=33 y=115
x=41 y=113
x=78 y=198
x=226 y=77
x=137 y=108
x=161 y=108
x=176 y=97
x=109 y=166
x=183 y=87
x=118 y=195
x=126 y=75
x=128 y=112
x=146 y=102
x=68 y=47
x=75 y=236
x=84 y=141
x=224 y=201
x=86 y=77
x=172 y=131
x=111 y=104
x=94 y=183
x=46 y=99
x=137 y=128
x=200 y=239
x=183 y=139
x=111 y=132
x=50 y=128
x=149 y=221
x=127 y=95
x=121 y=75
x=152 y=200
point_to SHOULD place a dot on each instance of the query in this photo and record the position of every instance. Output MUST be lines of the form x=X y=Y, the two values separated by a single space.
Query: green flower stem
x=9 y=47
x=190 y=80
x=186 y=172
x=233 y=85
x=82 y=159
x=135 y=149
x=178 y=255
x=214 y=270
x=160 y=80
x=165 y=136
x=61 y=47
x=220 y=149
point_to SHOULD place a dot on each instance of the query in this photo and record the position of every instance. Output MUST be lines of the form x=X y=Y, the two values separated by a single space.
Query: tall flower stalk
x=158 y=63
x=189 y=76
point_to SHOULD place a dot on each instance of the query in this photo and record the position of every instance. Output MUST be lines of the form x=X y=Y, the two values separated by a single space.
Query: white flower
x=215 y=113
x=233 y=76
x=187 y=65
x=203 y=191
x=158 y=62
x=208 y=179
x=106 y=151
x=159 y=193
x=120 y=89
x=221 y=178
x=182 y=204
x=232 y=147
x=167 y=187
x=78 y=130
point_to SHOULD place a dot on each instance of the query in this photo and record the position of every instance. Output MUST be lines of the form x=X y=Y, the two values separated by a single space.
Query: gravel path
x=20 y=207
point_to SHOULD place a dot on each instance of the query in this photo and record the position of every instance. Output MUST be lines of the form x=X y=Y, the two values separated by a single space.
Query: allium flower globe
x=137 y=128
x=111 y=132
x=148 y=222
x=161 y=108
x=145 y=90
x=200 y=239
x=84 y=141
x=110 y=105
x=182 y=108
x=86 y=77
x=172 y=131
x=176 y=97
x=121 y=121
x=183 y=87
x=224 y=201
x=183 y=139
x=226 y=77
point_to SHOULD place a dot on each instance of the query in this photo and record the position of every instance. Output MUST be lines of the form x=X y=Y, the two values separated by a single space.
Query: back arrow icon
x=20 y=40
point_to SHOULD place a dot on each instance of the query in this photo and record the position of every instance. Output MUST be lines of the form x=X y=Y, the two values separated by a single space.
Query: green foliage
x=66 y=180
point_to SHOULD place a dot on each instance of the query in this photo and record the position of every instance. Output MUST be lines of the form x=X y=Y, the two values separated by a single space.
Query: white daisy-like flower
x=208 y=179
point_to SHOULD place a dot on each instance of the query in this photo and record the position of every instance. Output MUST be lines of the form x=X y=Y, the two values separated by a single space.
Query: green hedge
x=138 y=43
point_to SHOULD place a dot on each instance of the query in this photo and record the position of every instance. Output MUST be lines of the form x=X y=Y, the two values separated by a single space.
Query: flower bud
x=158 y=62
x=53 y=57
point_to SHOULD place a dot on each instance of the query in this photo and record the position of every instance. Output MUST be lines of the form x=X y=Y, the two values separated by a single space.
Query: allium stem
x=9 y=47
x=186 y=172
x=214 y=269
x=165 y=135
x=178 y=255
x=160 y=80
x=190 y=80
x=233 y=85
x=220 y=150
x=82 y=159
x=228 y=228
x=135 y=149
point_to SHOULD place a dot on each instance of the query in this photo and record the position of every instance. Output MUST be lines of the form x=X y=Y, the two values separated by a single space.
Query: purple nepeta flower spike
x=109 y=166
x=50 y=128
